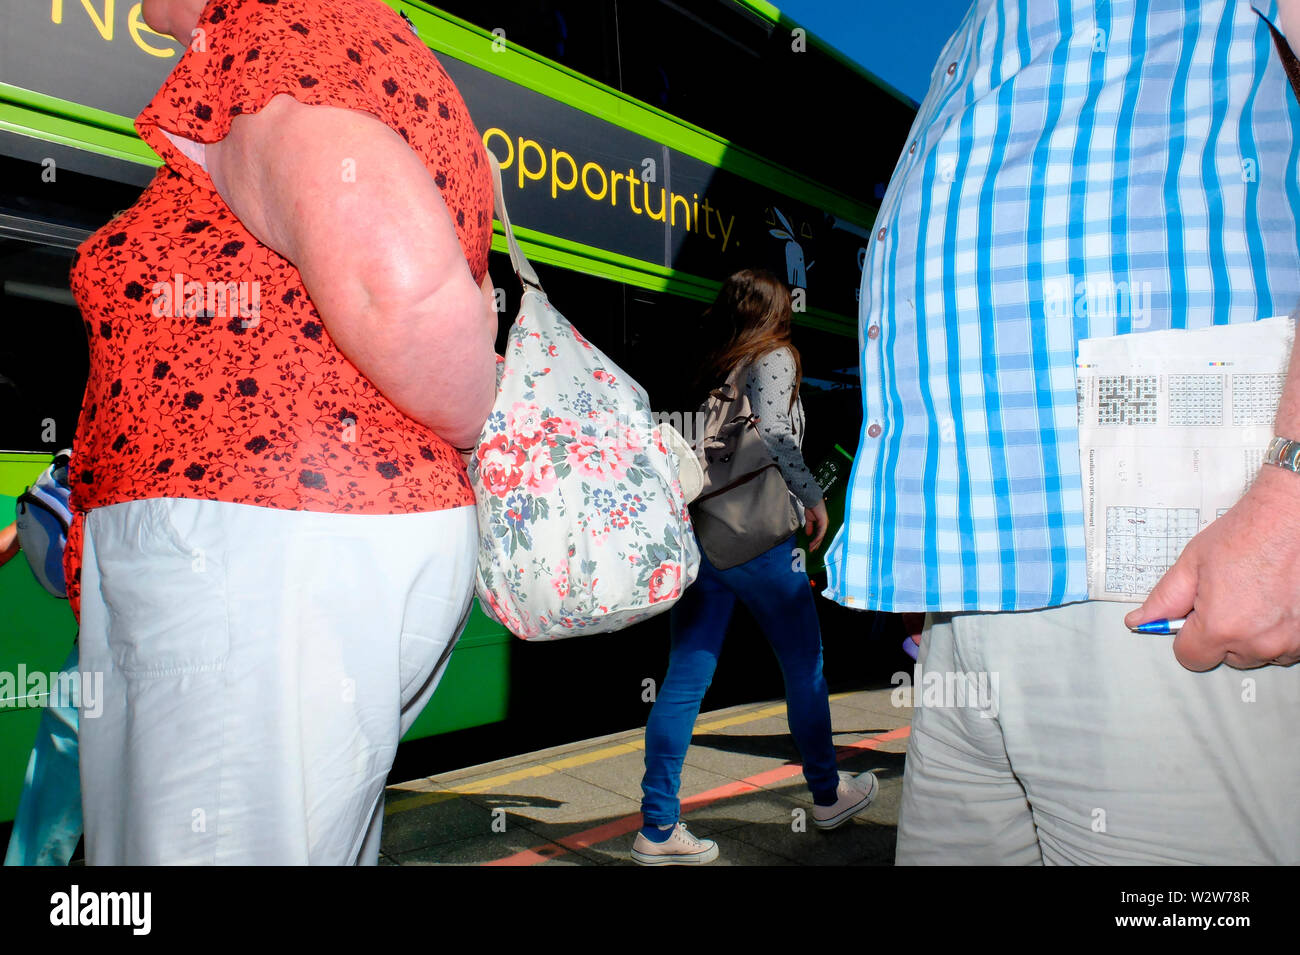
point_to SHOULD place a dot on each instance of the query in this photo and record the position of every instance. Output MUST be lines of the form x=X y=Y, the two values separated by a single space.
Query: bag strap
x=1289 y=61
x=523 y=268
x=732 y=382
x=30 y=499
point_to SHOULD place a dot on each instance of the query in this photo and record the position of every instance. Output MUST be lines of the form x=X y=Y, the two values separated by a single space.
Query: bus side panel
x=475 y=690
x=37 y=634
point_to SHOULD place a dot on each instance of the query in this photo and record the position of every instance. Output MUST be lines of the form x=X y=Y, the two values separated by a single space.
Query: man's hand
x=1238 y=583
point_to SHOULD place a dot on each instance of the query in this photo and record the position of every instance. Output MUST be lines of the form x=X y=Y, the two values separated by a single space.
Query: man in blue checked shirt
x=1146 y=147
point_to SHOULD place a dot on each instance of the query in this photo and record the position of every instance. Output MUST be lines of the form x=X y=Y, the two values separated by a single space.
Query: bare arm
x=377 y=252
x=8 y=543
x=1288 y=13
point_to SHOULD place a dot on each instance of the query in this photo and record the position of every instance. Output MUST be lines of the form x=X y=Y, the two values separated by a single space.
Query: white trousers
x=1103 y=749
x=259 y=668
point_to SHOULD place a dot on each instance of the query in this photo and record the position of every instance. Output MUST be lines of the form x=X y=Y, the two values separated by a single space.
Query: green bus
x=649 y=147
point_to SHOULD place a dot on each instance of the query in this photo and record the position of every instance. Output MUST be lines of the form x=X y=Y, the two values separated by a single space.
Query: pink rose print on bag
x=540 y=471
x=524 y=423
x=581 y=527
x=631 y=438
x=665 y=581
x=561 y=579
x=510 y=620
x=556 y=427
x=599 y=458
x=501 y=465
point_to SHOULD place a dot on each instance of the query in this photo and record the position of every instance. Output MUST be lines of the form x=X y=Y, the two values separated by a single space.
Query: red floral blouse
x=211 y=373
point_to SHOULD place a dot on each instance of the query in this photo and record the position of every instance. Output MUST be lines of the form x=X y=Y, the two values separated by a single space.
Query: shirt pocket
x=163 y=580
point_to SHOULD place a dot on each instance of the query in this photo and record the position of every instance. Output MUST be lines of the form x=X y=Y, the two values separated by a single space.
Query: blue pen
x=1160 y=626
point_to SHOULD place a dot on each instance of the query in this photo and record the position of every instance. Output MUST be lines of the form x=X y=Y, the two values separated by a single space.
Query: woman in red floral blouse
x=290 y=334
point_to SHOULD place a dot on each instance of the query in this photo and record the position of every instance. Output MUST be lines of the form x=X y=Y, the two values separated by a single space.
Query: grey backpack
x=744 y=507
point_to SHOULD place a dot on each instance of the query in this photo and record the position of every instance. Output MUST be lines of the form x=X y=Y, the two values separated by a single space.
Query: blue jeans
x=782 y=602
x=48 y=825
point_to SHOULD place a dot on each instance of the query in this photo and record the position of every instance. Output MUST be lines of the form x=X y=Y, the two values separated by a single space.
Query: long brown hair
x=749 y=318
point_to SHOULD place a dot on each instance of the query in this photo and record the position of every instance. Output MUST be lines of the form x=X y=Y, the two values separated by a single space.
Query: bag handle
x=523 y=268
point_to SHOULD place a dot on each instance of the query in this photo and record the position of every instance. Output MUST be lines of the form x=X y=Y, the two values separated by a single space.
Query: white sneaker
x=855 y=793
x=681 y=848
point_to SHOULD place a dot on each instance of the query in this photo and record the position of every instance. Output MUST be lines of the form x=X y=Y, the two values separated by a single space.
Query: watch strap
x=1283 y=453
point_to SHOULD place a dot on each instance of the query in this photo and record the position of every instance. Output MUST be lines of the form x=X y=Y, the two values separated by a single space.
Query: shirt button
x=881 y=234
x=874 y=431
x=912 y=148
x=952 y=69
x=873 y=332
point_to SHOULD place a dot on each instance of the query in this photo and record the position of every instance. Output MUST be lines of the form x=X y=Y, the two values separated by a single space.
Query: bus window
x=793 y=103
x=831 y=391
x=577 y=33
x=71 y=201
x=46 y=211
x=43 y=357
x=664 y=45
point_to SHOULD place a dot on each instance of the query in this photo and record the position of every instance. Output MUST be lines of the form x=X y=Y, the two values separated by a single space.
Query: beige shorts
x=1079 y=742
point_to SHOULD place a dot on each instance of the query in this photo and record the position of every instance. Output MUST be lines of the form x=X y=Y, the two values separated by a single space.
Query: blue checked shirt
x=1076 y=170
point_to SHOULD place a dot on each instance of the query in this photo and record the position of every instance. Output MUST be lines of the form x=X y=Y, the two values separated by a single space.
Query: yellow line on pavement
x=740 y=718
x=444 y=793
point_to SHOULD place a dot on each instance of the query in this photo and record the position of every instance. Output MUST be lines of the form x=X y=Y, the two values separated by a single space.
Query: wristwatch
x=1284 y=453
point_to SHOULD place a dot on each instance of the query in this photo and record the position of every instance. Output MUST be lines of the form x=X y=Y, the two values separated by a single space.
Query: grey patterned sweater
x=769 y=383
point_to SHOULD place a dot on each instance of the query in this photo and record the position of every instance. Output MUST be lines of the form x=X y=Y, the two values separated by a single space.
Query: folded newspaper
x=1173 y=426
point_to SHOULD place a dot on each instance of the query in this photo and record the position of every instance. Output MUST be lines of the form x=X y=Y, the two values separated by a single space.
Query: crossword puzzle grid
x=1143 y=542
x=1127 y=399
x=1195 y=400
x=1255 y=398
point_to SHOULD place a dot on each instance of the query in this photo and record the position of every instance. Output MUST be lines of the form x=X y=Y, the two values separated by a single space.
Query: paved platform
x=580 y=804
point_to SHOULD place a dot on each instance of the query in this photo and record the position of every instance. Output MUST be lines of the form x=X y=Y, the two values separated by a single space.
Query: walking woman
x=290 y=336
x=751 y=319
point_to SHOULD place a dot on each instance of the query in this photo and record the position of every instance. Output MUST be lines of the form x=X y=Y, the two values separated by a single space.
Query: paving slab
x=717 y=754
x=556 y=797
x=801 y=841
x=579 y=804
x=773 y=726
x=432 y=825
x=480 y=849
x=622 y=775
x=756 y=806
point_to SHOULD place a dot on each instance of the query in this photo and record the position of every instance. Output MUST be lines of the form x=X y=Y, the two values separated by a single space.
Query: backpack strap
x=732 y=383
x=28 y=498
